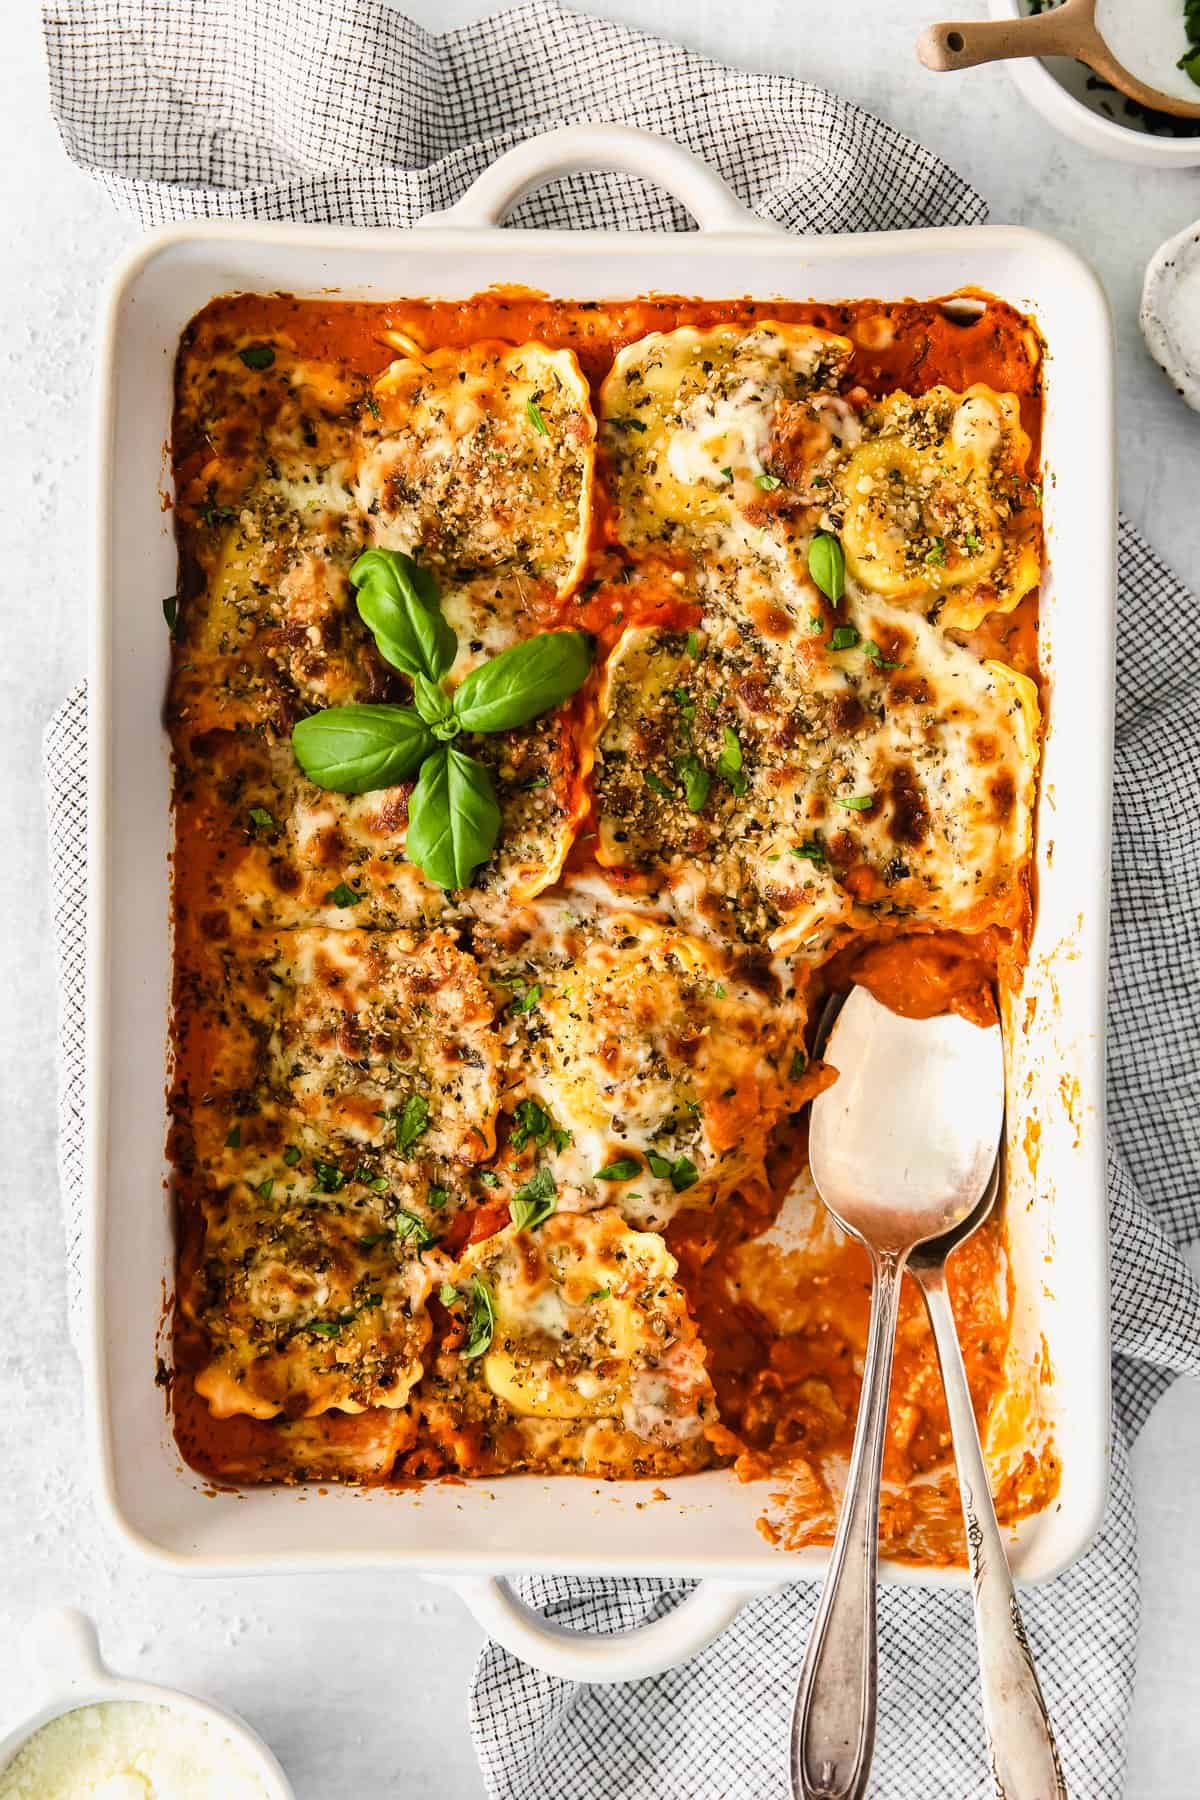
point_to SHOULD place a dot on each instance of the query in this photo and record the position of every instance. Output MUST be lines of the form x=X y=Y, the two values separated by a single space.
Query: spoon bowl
x=902 y=1150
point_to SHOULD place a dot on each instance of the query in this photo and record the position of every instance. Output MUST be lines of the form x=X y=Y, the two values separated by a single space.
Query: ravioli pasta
x=484 y=1181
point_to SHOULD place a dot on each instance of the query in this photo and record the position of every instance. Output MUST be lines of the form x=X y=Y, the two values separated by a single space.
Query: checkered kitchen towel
x=344 y=110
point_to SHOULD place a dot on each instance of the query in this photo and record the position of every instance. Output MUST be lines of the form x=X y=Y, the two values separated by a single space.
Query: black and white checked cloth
x=345 y=111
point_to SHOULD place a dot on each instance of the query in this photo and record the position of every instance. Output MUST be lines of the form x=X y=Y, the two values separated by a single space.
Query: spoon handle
x=1024 y=1756
x=965 y=43
x=833 y=1727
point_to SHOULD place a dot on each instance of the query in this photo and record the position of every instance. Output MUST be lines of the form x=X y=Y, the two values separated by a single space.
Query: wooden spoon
x=1066 y=30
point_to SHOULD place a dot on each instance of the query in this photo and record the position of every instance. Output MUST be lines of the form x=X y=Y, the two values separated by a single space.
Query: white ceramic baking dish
x=706 y=1528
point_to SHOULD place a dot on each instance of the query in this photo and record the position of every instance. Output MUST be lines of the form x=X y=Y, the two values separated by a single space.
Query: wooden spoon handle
x=963 y=44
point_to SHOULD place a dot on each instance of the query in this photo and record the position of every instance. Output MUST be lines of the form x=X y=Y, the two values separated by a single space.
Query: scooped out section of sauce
x=131 y=1750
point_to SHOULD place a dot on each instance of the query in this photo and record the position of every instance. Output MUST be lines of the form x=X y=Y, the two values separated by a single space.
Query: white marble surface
x=358 y=1682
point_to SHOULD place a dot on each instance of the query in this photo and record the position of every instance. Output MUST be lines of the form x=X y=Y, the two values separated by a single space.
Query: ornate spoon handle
x=833 y=1727
x=1024 y=1756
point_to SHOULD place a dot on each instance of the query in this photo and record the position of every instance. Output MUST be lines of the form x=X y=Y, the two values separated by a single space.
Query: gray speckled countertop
x=359 y=1682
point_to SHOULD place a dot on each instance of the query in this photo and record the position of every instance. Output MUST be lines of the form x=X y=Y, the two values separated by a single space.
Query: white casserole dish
x=707 y=1528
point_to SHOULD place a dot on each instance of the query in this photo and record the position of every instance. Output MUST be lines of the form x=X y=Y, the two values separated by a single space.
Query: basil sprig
x=827 y=565
x=453 y=814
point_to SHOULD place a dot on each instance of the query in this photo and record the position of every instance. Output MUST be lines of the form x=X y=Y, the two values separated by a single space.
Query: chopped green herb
x=631 y=424
x=768 y=483
x=798 y=1065
x=378 y=1184
x=534 y=1123
x=483 y=1321
x=533 y=1203
x=604 y=1293
x=727 y=472
x=936 y=552
x=409 y=1225
x=684 y=701
x=448 y=1294
x=623 y=1169
x=257 y=356
x=234 y=1140
x=171 y=612
x=693 y=643
x=844 y=638
x=827 y=565
x=535 y=781
x=816 y=625
x=854 y=802
x=533 y=413
x=973 y=541
x=812 y=850
x=438 y=1197
x=874 y=654
x=327 y=1328
x=729 y=763
x=291 y=1156
x=330 y=1179
x=412 y=1121
x=682 y=1173
x=525 y=996
x=342 y=895
x=657 y=786
x=719 y=990
x=262 y=820
x=696 y=782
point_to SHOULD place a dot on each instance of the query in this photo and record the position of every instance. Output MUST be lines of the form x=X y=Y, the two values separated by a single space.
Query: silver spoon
x=901 y=1149
x=1024 y=1756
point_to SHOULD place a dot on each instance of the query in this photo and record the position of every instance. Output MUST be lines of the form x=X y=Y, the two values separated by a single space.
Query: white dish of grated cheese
x=98 y=1737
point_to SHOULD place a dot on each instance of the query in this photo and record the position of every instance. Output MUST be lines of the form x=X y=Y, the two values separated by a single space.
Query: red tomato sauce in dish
x=775 y=1326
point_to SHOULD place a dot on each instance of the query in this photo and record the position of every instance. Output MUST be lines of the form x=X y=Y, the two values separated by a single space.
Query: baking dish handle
x=713 y=205
x=610 y=1656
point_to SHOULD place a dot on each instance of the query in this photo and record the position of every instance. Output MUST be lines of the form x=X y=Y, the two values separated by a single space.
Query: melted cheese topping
x=813 y=783
x=648 y=1047
x=594 y=1359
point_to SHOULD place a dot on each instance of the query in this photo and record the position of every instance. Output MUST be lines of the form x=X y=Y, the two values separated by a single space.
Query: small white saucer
x=66 y=1654
x=1170 y=315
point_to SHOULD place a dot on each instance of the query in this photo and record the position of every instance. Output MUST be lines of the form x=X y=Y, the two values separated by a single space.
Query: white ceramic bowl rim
x=65 y=1652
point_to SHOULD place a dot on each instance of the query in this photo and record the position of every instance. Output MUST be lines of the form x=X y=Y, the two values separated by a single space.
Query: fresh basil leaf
x=525 y=996
x=330 y=1179
x=659 y=1165
x=685 y=1174
x=257 y=356
x=693 y=643
x=483 y=1321
x=408 y=1225
x=827 y=565
x=630 y=424
x=398 y=602
x=874 y=654
x=534 y=1122
x=696 y=782
x=265 y=1189
x=768 y=483
x=623 y=1169
x=412 y=1121
x=438 y=1197
x=844 y=638
x=342 y=895
x=234 y=1140
x=354 y=749
x=536 y=417
x=936 y=552
x=523 y=681
x=727 y=472
x=1190 y=64
x=489 y=1178
x=453 y=818
x=327 y=1328
x=262 y=820
x=657 y=786
x=449 y=1295
x=435 y=708
x=532 y=1204
x=603 y=1293
x=729 y=763
x=291 y=1156
x=854 y=802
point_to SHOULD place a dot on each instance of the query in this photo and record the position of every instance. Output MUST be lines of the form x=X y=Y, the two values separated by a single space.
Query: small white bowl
x=1170 y=313
x=64 y=1649
x=1057 y=88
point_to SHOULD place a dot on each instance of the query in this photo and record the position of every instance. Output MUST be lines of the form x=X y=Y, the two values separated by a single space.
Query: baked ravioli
x=512 y=1177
